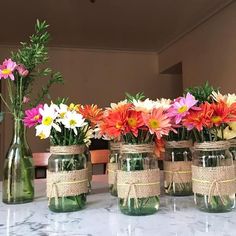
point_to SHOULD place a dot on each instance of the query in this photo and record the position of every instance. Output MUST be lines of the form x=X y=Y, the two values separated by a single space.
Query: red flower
x=221 y=114
x=91 y=113
x=114 y=124
x=199 y=118
x=134 y=121
x=159 y=147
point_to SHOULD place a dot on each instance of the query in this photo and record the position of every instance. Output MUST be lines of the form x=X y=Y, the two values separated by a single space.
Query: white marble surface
x=176 y=217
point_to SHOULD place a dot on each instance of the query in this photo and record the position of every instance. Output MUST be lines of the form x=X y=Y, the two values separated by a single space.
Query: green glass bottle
x=18 y=177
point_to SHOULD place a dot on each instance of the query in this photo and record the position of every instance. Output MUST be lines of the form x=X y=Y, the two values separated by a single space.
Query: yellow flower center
x=154 y=124
x=47 y=121
x=118 y=125
x=6 y=71
x=71 y=106
x=62 y=114
x=132 y=122
x=36 y=117
x=72 y=123
x=183 y=109
x=216 y=119
x=42 y=135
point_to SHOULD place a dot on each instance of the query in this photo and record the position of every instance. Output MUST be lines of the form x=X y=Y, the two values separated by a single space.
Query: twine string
x=212 y=146
x=137 y=148
x=179 y=144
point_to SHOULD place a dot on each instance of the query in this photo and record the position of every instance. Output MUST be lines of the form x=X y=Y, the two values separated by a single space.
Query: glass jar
x=138 y=180
x=67 y=178
x=113 y=167
x=90 y=168
x=232 y=149
x=213 y=177
x=177 y=168
x=18 y=176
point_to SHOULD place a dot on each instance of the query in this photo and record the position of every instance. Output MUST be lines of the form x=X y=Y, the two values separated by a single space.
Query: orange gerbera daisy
x=158 y=122
x=221 y=114
x=199 y=118
x=115 y=124
x=91 y=113
x=134 y=121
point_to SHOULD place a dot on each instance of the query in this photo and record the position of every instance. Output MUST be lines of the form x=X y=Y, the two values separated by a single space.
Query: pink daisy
x=181 y=106
x=32 y=116
x=7 y=69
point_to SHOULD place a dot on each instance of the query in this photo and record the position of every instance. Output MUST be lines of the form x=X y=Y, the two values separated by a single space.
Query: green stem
x=4 y=101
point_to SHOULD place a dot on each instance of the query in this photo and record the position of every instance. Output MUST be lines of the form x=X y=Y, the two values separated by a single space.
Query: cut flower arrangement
x=20 y=72
x=177 y=164
x=69 y=132
x=210 y=125
x=137 y=123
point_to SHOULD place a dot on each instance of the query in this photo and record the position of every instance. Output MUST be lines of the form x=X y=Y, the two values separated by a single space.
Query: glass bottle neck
x=18 y=131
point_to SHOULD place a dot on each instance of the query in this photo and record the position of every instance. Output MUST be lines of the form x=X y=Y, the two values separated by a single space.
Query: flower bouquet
x=178 y=158
x=69 y=133
x=19 y=72
x=137 y=123
x=212 y=170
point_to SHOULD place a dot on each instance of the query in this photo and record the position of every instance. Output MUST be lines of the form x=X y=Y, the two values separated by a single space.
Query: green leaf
x=202 y=93
x=138 y=96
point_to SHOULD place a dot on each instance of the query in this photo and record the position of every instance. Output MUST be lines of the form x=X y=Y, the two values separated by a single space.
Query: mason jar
x=213 y=177
x=90 y=168
x=67 y=178
x=138 y=180
x=177 y=168
x=113 y=167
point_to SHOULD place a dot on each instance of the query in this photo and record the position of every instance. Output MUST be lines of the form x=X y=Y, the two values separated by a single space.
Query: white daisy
x=49 y=115
x=163 y=103
x=145 y=106
x=230 y=98
x=116 y=106
x=73 y=120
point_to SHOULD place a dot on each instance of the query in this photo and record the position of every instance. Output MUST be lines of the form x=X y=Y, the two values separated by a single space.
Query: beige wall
x=207 y=53
x=99 y=76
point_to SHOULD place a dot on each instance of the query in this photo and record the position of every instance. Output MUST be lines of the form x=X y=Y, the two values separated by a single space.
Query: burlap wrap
x=177 y=172
x=67 y=183
x=179 y=144
x=67 y=150
x=90 y=171
x=235 y=167
x=138 y=184
x=214 y=181
x=232 y=142
x=115 y=146
x=212 y=146
x=112 y=172
x=137 y=148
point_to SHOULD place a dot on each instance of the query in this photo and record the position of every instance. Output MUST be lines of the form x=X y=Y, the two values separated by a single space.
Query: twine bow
x=215 y=185
x=176 y=172
x=54 y=189
x=131 y=185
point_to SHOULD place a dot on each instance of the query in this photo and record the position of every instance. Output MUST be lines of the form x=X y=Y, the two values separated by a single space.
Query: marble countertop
x=176 y=217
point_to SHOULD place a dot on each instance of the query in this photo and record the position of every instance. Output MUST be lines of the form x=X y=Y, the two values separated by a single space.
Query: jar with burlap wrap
x=213 y=177
x=177 y=168
x=138 y=180
x=112 y=167
x=232 y=149
x=67 y=178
